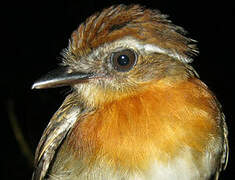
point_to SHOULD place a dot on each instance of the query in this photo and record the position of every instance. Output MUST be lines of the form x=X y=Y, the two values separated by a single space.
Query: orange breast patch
x=156 y=123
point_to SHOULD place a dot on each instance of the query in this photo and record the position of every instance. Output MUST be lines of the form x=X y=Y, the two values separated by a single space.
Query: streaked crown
x=145 y=25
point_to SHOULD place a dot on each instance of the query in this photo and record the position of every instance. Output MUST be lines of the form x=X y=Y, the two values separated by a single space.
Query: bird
x=137 y=109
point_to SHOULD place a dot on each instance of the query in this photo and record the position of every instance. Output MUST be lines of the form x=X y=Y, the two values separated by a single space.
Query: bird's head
x=118 y=51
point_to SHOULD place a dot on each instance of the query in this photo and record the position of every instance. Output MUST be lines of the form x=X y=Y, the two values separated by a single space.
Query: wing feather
x=224 y=158
x=55 y=132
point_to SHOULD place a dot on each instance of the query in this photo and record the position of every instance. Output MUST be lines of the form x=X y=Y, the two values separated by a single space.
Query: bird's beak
x=61 y=77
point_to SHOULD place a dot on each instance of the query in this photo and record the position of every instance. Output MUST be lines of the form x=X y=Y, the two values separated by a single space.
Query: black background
x=35 y=32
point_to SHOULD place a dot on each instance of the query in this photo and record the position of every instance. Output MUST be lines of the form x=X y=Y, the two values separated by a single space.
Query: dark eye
x=124 y=60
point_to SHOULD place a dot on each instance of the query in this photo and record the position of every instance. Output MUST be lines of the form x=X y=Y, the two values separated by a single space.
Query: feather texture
x=155 y=121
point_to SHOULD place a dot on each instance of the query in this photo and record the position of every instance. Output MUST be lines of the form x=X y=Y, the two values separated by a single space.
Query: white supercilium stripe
x=153 y=48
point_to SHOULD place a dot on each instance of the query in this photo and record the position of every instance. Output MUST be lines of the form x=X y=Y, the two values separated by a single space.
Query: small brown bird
x=137 y=110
